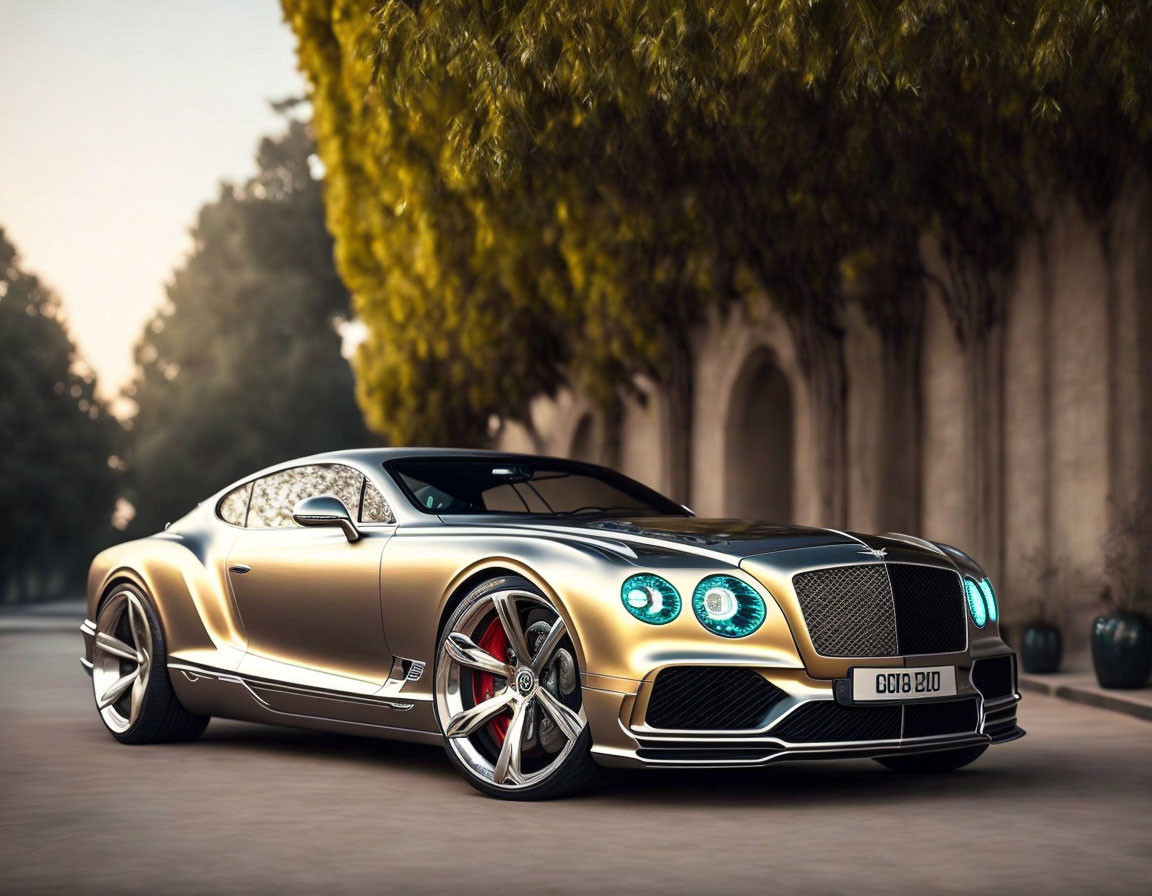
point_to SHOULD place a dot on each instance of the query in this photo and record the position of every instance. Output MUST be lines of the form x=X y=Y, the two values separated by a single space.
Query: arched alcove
x=759 y=442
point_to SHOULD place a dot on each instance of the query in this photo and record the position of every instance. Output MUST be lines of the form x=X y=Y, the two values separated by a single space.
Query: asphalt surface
x=253 y=809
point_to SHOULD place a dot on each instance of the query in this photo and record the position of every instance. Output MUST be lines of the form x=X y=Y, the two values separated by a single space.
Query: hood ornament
x=878 y=553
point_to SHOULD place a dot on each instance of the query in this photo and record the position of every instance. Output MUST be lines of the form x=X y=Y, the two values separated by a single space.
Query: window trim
x=251 y=483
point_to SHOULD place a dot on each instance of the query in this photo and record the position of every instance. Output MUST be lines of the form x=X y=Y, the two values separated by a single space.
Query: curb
x=1088 y=697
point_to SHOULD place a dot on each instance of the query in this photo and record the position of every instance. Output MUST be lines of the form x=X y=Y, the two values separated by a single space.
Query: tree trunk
x=678 y=423
x=822 y=359
x=898 y=483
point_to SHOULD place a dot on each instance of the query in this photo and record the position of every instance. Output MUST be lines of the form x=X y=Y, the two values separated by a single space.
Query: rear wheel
x=130 y=675
x=508 y=697
x=934 y=763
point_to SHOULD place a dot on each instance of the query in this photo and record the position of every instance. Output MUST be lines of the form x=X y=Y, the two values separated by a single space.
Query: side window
x=274 y=497
x=233 y=507
x=375 y=509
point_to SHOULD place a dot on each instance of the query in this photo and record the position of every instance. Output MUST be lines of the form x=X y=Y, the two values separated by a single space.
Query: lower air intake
x=827 y=722
x=994 y=677
x=701 y=698
x=933 y=719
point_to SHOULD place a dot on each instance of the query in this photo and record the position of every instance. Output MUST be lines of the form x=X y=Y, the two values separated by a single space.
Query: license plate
x=903 y=684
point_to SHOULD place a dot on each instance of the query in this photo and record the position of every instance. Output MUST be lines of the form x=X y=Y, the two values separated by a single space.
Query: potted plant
x=1122 y=636
x=1041 y=642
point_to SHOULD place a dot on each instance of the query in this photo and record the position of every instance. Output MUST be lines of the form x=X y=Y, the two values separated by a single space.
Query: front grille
x=827 y=722
x=848 y=610
x=929 y=609
x=933 y=719
x=993 y=677
x=703 y=698
x=878 y=609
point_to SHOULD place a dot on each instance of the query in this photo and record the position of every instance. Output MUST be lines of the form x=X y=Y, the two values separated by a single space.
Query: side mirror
x=324 y=510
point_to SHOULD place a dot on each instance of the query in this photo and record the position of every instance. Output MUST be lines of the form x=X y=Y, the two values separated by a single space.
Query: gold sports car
x=543 y=619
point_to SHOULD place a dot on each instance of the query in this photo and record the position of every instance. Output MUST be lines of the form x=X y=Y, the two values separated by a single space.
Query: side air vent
x=994 y=677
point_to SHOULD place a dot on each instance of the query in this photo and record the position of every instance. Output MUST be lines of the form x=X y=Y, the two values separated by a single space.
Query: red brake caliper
x=495 y=642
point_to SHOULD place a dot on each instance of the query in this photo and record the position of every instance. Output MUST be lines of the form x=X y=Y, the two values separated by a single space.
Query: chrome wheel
x=121 y=660
x=508 y=690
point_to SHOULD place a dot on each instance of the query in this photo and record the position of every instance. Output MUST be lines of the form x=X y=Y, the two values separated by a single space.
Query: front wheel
x=934 y=763
x=508 y=697
x=130 y=675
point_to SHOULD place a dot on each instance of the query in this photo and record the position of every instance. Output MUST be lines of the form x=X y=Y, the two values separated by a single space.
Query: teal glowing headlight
x=728 y=607
x=990 y=599
x=650 y=599
x=976 y=604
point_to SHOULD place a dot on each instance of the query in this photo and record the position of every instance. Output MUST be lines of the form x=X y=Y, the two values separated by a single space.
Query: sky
x=118 y=120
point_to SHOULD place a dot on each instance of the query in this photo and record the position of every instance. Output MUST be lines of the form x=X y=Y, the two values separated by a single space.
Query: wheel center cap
x=525 y=681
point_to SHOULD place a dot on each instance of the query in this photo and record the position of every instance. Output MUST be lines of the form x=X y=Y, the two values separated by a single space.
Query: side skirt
x=215 y=692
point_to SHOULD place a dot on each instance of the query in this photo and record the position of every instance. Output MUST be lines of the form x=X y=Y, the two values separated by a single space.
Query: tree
x=526 y=194
x=242 y=367
x=58 y=483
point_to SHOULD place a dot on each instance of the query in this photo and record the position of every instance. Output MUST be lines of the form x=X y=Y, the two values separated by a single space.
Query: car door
x=310 y=599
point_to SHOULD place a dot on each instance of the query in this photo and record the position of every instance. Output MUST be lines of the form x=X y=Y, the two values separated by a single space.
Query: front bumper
x=622 y=738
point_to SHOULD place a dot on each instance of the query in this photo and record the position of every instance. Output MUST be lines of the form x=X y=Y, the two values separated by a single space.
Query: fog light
x=990 y=599
x=728 y=606
x=650 y=599
x=976 y=605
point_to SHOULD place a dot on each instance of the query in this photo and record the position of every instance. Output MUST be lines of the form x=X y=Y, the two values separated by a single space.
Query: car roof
x=372 y=458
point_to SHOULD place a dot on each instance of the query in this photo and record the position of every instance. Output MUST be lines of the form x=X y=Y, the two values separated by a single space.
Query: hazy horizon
x=127 y=115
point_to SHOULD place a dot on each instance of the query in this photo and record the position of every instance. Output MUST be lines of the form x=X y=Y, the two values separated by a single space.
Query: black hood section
x=737 y=537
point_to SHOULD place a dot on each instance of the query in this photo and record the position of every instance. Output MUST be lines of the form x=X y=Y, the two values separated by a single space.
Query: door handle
x=239 y=568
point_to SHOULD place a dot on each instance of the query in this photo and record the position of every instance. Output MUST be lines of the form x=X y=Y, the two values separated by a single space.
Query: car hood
x=730 y=537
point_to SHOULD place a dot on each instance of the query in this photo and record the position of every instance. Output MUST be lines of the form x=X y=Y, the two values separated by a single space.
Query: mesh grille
x=931 y=719
x=710 y=698
x=848 y=610
x=929 y=609
x=827 y=722
x=873 y=609
x=993 y=677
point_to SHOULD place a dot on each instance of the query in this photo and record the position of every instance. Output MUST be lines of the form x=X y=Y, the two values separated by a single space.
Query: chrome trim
x=773 y=753
x=193 y=672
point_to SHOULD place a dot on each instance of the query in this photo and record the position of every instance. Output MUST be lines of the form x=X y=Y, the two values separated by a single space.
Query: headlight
x=728 y=606
x=990 y=599
x=650 y=599
x=976 y=605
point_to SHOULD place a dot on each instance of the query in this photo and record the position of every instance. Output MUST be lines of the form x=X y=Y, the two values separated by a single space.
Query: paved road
x=252 y=809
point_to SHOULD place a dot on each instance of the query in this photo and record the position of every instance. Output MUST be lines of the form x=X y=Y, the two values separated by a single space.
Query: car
x=544 y=620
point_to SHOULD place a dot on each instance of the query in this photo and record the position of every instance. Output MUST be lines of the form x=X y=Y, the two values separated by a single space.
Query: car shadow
x=802 y=783
x=227 y=735
x=812 y=783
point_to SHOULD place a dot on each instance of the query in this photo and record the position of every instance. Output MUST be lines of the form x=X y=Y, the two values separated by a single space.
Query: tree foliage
x=57 y=480
x=531 y=192
x=242 y=367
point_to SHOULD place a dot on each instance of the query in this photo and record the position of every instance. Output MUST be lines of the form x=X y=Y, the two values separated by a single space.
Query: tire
x=528 y=729
x=933 y=763
x=145 y=710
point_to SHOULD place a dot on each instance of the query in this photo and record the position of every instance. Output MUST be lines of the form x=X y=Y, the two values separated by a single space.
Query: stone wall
x=1019 y=446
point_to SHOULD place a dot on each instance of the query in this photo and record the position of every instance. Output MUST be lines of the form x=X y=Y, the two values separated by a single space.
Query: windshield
x=536 y=487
